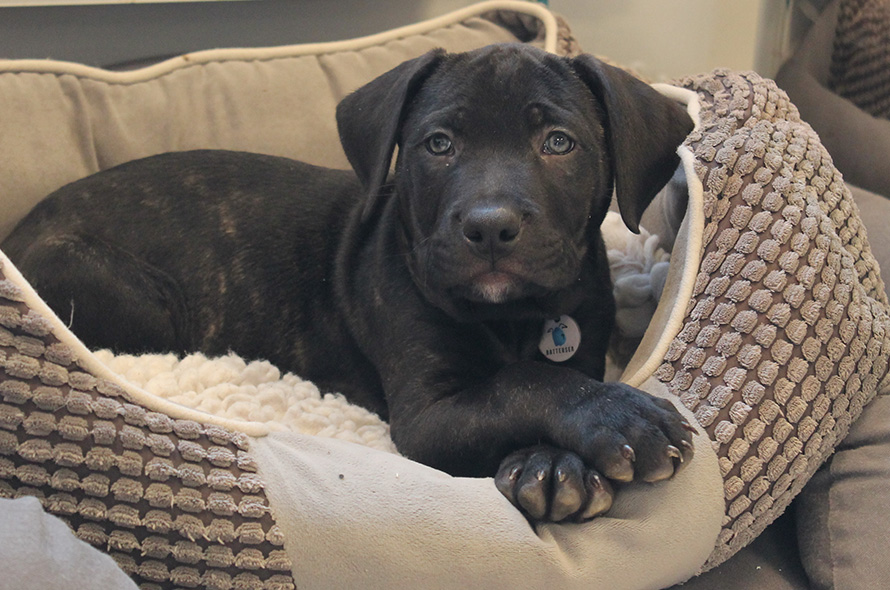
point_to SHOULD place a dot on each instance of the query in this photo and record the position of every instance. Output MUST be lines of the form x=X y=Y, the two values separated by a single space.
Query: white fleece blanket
x=256 y=391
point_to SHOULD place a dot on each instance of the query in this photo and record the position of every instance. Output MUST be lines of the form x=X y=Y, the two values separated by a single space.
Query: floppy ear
x=643 y=131
x=369 y=119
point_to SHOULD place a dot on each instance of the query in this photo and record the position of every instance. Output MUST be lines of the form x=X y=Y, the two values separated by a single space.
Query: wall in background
x=107 y=34
x=664 y=40
x=660 y=39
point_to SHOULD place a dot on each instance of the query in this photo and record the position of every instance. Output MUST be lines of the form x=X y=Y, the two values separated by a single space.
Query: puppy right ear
x=643 y=131
x=369 y=120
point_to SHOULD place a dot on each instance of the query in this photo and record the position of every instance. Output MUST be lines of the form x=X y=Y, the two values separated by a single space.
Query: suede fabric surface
x=392 y=523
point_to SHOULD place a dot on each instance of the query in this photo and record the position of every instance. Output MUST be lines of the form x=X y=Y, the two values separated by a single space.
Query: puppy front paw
x=553 y=485
x=628 y=435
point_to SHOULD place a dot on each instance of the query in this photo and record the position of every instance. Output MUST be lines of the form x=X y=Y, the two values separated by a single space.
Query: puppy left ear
x=643 y=131
x=369 y=119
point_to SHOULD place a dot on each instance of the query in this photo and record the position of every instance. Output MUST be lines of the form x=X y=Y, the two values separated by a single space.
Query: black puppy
x=467 y=299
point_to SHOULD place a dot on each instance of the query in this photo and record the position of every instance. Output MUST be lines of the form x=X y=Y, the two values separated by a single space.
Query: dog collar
x=560 y=339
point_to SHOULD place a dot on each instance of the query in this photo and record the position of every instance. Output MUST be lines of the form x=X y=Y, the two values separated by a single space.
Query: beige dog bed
x=771 y=335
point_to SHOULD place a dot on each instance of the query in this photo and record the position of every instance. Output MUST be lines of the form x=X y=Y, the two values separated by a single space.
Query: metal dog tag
x=560 y=339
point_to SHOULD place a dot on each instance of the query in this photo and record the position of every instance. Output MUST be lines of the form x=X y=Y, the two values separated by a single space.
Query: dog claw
x=601 y=496
x=622 y=468
x=688 y=427
x=687 y=451
x=596 y=481
x=628 y=453
x=674 y=453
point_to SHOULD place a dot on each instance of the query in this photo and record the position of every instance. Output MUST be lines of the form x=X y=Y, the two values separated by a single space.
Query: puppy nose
x=492 y=231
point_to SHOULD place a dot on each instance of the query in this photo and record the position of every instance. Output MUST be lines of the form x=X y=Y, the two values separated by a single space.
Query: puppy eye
x=558 y=143
x=439 y=144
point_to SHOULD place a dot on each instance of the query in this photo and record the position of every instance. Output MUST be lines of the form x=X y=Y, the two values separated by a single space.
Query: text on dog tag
x=560 y=339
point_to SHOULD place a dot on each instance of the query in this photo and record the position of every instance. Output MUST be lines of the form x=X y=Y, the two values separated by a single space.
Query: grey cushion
x=860 y=61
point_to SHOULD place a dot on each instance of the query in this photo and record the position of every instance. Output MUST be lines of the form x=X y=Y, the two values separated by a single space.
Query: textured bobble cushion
x=860 y=62
x=771 y=334
x=785 y=336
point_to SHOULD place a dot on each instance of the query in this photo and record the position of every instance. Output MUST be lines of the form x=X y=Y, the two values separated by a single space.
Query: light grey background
x=660 y=39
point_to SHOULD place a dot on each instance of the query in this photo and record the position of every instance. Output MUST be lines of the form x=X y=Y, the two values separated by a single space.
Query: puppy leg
x=109 y=298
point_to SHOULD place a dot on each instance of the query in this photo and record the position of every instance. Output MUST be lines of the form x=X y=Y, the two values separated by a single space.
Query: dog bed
x=771 y=335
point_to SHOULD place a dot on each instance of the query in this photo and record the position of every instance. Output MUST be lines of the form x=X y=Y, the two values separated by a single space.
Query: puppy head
x=507 y=160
